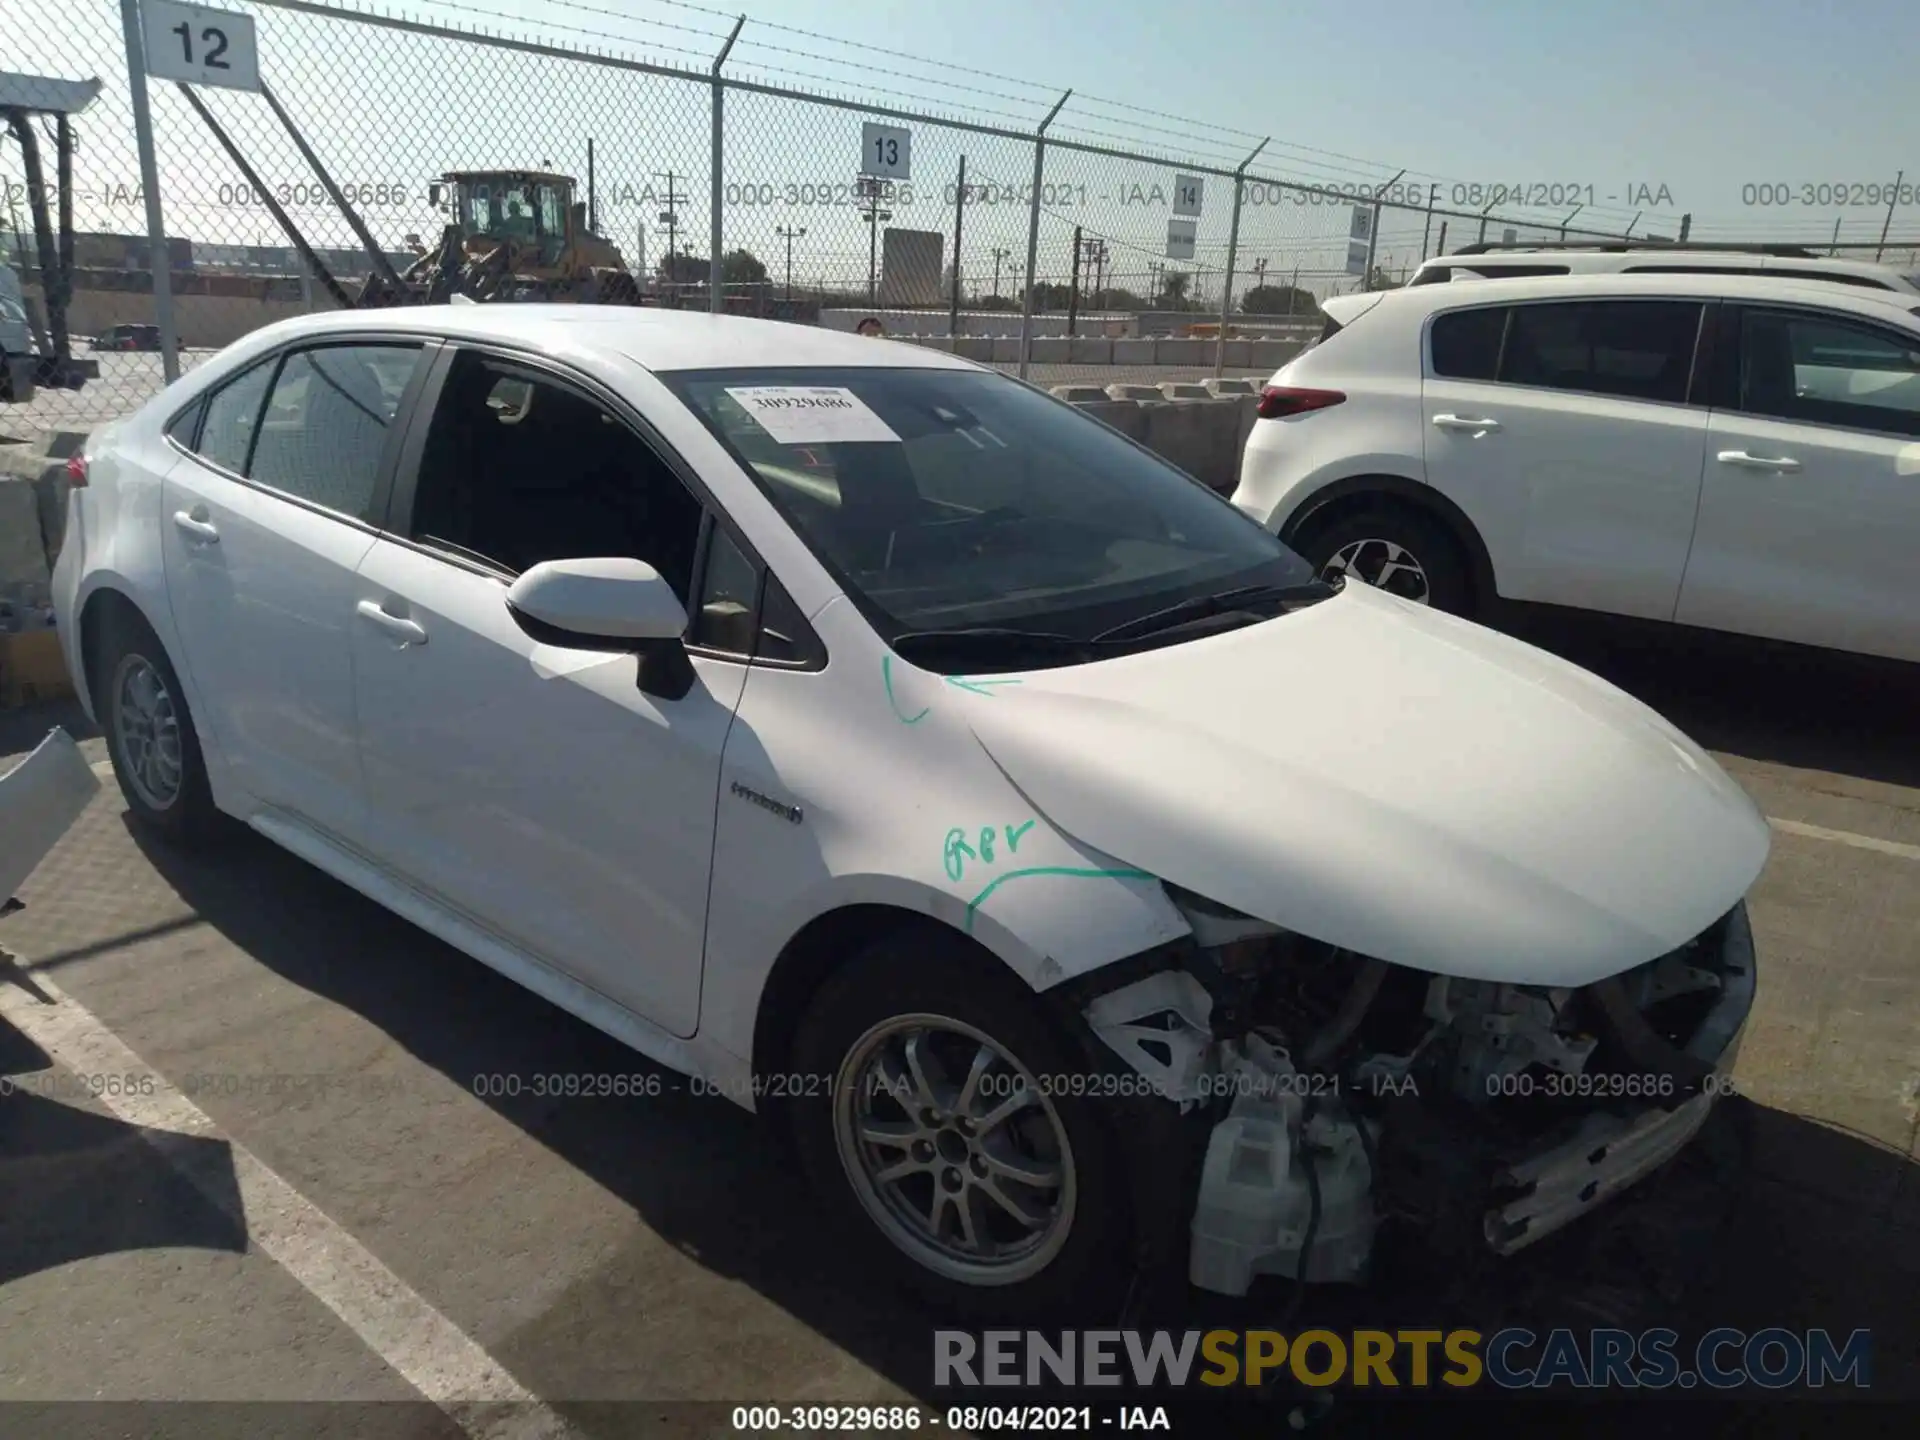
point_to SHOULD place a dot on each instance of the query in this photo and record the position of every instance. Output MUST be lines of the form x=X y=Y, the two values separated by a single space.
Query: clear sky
x=1703 y=97
x=1766 y=120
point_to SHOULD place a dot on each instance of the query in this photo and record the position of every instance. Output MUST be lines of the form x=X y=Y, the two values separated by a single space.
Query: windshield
x=944 y=499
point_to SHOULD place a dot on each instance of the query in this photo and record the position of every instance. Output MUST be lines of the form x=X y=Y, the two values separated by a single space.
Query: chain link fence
x=1059 y=256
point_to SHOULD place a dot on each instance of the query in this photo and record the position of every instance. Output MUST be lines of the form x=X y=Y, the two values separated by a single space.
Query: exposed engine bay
x=1348 y=1093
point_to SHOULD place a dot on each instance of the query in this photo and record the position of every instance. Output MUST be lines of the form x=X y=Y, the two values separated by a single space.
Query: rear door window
x=1632 y=349
x=326 y=424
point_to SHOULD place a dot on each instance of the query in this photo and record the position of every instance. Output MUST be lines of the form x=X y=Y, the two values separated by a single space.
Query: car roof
x=1680 y=285
x=655 y=339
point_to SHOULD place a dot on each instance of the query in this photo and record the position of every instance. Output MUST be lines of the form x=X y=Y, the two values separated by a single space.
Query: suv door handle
x=205 y=531
x=1483 y=425
x=1745 y=461
x=398 y=626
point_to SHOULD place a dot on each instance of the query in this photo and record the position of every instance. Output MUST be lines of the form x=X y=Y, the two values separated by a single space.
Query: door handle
x=205 y=531
x=398 y=626
x=1482 y=425
x=1783 y=463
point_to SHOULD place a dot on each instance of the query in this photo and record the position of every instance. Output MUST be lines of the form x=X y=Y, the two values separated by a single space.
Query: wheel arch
x=1358 y=493
x=814 y=953
x=103 y=604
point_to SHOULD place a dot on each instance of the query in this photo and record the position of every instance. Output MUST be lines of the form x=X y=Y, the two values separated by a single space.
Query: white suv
x=1501 y=262
x=1735 y=453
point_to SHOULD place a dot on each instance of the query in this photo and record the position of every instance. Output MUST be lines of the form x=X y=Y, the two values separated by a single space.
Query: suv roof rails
x=1489 y=247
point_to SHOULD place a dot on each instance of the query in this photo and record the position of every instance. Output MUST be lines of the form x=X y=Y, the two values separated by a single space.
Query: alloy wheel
x=953 y=1150
x=1383 y=564
x=146 y=729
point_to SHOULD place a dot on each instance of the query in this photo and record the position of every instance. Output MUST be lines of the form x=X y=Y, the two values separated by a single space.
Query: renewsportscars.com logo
x=1512 y=1359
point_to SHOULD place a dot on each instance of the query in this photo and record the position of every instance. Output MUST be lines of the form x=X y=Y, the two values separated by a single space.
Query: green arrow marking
x=978 y=687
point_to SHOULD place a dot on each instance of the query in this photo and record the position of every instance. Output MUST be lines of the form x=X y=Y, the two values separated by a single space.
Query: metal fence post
x=1887 y=224
x=1433 y=193
x=159 y=260
x=716 y=271
x=1233 y=253
x=1033 y=232
x=959 y=220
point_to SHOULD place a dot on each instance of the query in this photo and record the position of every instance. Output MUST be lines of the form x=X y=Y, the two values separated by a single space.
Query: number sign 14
x=199 y=46
x=886 y=151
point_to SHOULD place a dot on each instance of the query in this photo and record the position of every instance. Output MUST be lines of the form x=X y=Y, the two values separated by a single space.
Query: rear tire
x=1393 y=548
x=922 y=1173
x=150 y=734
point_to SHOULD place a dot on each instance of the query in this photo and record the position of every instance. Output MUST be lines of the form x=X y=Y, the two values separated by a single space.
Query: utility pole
x=872 y=191
x=1096 y=251
x=999 y=254
x=670 y=217
x=789 y=234
x=1155 y=269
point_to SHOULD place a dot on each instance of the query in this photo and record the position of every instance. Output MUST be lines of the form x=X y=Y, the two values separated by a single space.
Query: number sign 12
x=199 y=46
x=886 y=151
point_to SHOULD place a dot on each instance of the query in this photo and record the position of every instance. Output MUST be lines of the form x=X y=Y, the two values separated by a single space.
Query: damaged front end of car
x=1318 y=1095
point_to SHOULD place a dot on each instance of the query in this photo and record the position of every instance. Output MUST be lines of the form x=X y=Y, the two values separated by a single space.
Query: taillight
x=1279 y=401
x=77 y=470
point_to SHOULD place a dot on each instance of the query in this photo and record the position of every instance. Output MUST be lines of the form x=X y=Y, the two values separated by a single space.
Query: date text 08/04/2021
x=959 y=1419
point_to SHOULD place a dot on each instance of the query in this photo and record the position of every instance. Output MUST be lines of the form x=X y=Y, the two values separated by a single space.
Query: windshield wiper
x=979 y=641
x=1197 y=607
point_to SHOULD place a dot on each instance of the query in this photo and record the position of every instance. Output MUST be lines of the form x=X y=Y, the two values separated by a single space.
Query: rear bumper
x=1608 y=1151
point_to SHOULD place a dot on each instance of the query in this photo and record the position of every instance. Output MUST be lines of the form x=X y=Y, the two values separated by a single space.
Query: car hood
x=1394 y=781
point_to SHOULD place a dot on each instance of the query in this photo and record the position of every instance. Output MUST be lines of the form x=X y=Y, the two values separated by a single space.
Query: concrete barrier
x=1079 y=394
x=1185 y=390
x=1231 y=385
x=1134 y=352
x=975 y=347
x=1270 y=355
x=1006 y=349
x=1204 y=437
x=1183 y=352
x=1134 y=392
x=1090 y=350
x=1050 y=349
x=24 y=572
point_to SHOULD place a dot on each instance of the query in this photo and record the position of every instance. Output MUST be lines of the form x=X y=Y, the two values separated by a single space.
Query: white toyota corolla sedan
x=1082 y=885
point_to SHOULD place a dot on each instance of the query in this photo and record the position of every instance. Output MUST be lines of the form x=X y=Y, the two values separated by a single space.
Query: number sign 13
x=198 y=45
x=886 y=151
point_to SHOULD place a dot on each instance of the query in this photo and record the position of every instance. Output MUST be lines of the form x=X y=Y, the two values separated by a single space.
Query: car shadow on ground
x=1770 y=1220
x=1780 y=704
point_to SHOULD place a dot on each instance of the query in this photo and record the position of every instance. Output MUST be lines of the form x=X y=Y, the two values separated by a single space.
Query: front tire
x=945 y=1149
x=1393 y=548
x=150 y=734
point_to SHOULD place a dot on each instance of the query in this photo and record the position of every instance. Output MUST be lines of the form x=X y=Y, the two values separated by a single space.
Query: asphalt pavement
x=303 y=1208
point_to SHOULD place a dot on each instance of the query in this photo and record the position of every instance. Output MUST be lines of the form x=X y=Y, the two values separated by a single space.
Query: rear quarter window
x=1466 y=343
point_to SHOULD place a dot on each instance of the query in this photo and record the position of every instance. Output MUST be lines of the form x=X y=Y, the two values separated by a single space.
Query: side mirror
x=613 y=604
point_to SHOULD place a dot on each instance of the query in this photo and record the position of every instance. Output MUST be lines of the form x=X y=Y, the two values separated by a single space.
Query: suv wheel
x=938 y=1150
x=1396 y=549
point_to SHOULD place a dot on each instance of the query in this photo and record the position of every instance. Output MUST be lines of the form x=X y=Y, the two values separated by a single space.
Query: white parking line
x=423 y=1346
x=1846 y=837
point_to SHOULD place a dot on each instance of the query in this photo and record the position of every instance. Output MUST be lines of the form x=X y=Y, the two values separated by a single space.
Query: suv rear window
x=1466 y=343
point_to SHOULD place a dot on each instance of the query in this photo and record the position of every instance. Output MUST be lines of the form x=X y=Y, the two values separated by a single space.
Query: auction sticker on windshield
x=811 y=414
